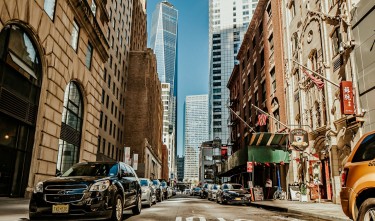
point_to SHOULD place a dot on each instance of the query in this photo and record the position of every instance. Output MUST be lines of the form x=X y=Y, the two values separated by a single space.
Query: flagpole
x=241 y=119
x=321 y=76
x=268 y=115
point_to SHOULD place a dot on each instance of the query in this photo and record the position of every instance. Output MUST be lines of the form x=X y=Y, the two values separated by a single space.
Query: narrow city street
x=182 y=207
x=179 y=208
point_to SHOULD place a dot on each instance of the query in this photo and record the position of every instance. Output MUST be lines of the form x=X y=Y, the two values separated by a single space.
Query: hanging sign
x=127 y=155
x=346 y=95
x=249 y=167
x=299 y=139
x=135 y=161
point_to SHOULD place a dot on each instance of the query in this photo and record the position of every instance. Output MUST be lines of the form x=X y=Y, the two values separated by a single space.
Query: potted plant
x=303 y=191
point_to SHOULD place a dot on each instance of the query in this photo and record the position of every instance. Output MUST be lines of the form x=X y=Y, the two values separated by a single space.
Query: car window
x=129 y=171
x=107 y=169
x=366 y=150
x=122 y=169
x=143 y=182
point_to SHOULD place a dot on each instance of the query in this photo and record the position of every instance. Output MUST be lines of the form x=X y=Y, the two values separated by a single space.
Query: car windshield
x=97 y=169
x=366 y=150
x=215 y=187
x=197 y=189
x=232 y=186
x=163 y=184
x=143 y=182
x=155 y=182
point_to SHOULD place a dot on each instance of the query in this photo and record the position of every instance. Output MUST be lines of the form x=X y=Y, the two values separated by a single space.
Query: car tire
x=367 y=207
x=117 y=208
x=138 y=207
x=150 y=201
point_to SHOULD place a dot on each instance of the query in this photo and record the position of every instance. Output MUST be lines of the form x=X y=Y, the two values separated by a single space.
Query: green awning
x=263 y=154
x=266 y=147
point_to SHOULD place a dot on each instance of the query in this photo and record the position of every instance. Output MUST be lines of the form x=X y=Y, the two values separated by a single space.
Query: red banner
x=347 y=99
x=249 y=167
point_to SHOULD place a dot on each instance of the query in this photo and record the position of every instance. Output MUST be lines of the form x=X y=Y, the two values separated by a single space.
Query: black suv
x=86 y=191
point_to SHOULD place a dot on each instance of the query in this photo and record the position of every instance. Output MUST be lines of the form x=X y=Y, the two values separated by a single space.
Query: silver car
x=212 y=190
x=148 y=192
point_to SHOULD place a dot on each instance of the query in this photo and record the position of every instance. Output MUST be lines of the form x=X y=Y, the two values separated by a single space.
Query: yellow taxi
x=358 y=181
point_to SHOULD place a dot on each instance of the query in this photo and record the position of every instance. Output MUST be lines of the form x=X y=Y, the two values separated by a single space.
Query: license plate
x=237 y=198
x=60 y=208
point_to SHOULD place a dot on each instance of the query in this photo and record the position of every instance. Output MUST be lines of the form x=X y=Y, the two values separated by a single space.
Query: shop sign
x=127 y=155
x=346 y=95
x=299 y=139
x=249 y=167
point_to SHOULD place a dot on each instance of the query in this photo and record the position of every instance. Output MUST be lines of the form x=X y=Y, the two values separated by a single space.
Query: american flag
x=262 y=119
x=317 y=81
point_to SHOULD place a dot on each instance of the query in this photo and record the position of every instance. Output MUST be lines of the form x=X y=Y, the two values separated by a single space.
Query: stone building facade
x=144 y=111
x=317 y=40
x=52 y=57
x=112 y=116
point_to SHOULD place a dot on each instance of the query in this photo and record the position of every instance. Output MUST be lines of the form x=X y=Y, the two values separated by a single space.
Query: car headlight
x=38 y=188
x=100 y=186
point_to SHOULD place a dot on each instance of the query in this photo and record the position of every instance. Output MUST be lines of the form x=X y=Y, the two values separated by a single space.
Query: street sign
x=249 y=167
x=346 y=95
x=299 y=139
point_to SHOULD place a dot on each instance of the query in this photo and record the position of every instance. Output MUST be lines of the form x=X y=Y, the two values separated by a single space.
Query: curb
x=287 y=210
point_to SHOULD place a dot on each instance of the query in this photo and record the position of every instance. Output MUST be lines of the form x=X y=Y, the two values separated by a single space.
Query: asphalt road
x=186 y=208
x=178 y=208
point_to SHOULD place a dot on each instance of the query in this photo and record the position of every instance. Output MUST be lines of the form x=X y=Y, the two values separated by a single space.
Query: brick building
x=258 y=80
x=144 y=113
x=52 y=56
x=164 y=168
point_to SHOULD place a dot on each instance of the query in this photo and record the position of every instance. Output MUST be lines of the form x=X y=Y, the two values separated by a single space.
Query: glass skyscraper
x=228 y=23
x=163 y=40
x=195 y=132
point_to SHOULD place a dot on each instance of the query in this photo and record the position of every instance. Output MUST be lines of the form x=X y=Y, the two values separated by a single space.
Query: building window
x=264 y=91
x=89 y=55
x=71 y=127
x=75 y=35
x=99 y=141
x=93 y=7
x=336 y=39
x=273 y=80
x=101 y=119
x=49 y=7
x=270 y=40
x=292 y=9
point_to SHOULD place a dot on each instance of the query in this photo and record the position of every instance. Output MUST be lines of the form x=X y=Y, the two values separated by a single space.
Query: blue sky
x=192 y=53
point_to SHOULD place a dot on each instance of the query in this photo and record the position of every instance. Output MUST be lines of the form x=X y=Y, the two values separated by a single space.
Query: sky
x=192 y=55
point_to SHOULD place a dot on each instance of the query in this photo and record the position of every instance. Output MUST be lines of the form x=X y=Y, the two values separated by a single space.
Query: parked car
x=212 y=190
x=358 y=180
x=196 y=191
x=204 y=190
x=158 y=190
x=167 y=191
x=88 y=190
x=187 y=191
x=233 y=193
x=148 y=192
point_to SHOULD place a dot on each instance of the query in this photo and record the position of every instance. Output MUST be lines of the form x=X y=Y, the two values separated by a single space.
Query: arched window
x=71 y=127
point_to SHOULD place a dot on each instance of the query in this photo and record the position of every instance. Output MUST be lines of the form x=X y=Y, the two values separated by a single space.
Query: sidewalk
x=324 y=210
x=14 y=209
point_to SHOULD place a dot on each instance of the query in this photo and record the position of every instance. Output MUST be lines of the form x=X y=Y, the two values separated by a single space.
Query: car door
x=134 y=185
x=126 y=181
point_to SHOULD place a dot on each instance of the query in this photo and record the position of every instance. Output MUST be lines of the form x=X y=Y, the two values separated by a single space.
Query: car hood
x=236 y=192
x=144 y=188
x=73 y=180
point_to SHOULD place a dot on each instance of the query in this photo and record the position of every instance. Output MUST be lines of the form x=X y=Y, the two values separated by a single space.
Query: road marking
x=221 y=219
x=243 y=220
x=191 y=218
x=178 y=218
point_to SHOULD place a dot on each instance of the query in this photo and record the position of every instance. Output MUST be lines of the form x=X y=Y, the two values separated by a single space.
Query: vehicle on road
x=88 y=190
x=167 y=191
x=204 y=190
x=196 y=191
x=187 y=191
x=358 y=180
x=148 y=192
x=158 y=190
x=233 y=193
x=212 y=190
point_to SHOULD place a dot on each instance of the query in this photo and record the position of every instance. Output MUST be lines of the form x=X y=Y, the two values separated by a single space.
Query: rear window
x=366 y=150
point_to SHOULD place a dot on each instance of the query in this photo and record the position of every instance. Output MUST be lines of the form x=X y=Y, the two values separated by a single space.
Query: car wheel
x=117 y=209
x=367 y=210
x=150 y=201
x=137 y=209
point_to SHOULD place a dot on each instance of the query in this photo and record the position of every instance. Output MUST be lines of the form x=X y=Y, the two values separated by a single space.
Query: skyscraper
x=163 y=40
x=195 y=132
x=228 y=22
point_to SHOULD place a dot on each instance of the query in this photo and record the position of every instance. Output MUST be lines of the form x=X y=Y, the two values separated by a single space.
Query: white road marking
x=221 y=219
x=243 y=220
x=178 y=218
